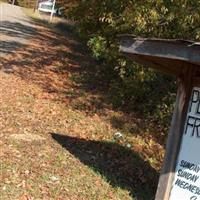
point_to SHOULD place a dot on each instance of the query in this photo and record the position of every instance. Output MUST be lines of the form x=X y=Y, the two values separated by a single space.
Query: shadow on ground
x=60 y=64
x=56 y=61
x=14 y=36
x=16 y=29
x=119 y=165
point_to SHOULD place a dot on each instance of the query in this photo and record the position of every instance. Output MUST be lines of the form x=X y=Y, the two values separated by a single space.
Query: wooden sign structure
x=180 y=175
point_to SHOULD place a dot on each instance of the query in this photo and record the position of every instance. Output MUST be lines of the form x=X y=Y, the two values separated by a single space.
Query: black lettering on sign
x=187 y=186
x=195 y=99
x=187 y=175
x=190 y=166
x=194 y=123
x=193 y=198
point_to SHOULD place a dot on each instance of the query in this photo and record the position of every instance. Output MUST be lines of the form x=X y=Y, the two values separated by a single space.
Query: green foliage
x=132 y=86
x=98 y=46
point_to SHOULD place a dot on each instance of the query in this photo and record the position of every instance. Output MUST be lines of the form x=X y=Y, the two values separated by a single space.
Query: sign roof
x=166 y=55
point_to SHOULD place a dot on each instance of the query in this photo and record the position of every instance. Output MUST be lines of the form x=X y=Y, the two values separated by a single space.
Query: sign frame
x=182 y=60
x=185 y=86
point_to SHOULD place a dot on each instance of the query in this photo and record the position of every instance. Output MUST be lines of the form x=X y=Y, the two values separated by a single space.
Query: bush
x=133 y=87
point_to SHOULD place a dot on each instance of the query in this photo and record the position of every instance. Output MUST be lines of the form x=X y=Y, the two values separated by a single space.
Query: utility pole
x=36 y=5
x=52 y=11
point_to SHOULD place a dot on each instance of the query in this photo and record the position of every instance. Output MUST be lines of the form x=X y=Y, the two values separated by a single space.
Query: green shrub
x=133 y=87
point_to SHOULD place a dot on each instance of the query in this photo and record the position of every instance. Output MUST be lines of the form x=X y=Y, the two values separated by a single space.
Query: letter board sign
x=180 y=174
x=186 y=184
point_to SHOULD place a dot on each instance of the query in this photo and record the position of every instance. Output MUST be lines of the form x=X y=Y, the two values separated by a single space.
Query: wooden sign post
x=180 y=175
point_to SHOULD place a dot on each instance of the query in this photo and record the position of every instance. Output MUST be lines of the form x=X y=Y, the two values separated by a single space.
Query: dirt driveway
x=15 y=28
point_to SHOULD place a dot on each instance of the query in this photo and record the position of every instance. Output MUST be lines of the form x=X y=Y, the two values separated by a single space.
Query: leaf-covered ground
x=57 y=138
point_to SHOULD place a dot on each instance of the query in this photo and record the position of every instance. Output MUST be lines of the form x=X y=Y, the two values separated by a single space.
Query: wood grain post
x=185 y=85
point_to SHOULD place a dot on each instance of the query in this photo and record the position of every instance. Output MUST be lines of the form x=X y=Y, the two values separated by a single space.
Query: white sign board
x=186 y=184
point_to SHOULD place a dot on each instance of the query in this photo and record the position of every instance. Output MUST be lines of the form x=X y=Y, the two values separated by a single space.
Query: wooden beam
x=163 y=65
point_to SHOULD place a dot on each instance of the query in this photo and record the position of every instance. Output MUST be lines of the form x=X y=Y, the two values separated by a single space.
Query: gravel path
x=15 y=29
